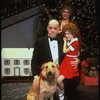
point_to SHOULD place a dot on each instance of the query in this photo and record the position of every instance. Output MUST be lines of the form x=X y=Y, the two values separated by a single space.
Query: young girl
x=71 y=48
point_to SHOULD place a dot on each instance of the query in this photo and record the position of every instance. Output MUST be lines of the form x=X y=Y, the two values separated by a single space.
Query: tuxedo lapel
x=60 y=48
x=47 y=48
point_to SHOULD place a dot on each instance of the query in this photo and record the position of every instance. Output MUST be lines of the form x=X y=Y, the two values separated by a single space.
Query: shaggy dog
x=46 y=83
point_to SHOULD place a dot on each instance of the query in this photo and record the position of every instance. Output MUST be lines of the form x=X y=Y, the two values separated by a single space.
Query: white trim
x=72 y=55
x=75 y=39
x=71 y=48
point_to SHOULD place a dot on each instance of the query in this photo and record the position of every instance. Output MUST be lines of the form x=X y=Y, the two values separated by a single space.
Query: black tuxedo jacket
x=42 y=53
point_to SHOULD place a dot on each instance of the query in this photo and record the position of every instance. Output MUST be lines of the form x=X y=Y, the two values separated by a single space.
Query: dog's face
x=50 y=71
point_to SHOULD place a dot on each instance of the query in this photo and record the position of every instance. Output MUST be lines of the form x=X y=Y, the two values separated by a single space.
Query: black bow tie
x=51 y=39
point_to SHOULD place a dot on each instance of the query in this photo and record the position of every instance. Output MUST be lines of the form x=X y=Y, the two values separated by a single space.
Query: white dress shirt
x=54 y=50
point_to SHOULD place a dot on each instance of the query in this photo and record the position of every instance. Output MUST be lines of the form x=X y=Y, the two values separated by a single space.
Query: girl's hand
x=64 y=39
x=75 y=62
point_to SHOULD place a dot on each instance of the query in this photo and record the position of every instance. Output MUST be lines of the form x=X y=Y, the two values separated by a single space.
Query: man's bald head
x=53 y=28
x=53 y=22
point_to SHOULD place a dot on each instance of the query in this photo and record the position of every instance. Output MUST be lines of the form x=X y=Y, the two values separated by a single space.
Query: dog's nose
x=50 y=73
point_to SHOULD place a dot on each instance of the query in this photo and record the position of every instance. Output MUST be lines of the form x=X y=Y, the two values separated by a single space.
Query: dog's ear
x=42 y=67
x=43 y=70
x=56 y=63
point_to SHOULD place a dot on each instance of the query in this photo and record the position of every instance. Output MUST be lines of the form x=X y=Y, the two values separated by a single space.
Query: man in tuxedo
x=48 y=48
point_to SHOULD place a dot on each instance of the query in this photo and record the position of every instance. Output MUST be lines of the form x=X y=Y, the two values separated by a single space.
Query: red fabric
x=75 y=45
x=66 y=69
x=84 y=64
x=89 y=81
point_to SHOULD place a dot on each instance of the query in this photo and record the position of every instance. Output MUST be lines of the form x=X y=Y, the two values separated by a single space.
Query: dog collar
x=42 y=77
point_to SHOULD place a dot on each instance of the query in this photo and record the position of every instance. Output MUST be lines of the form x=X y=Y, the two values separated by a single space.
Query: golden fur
x=46 y=83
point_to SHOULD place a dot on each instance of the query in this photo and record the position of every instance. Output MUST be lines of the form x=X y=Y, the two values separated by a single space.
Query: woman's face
x=65 y=14
x=68 y=35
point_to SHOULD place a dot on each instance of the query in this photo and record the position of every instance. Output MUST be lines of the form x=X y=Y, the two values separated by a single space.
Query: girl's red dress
x=66 y=69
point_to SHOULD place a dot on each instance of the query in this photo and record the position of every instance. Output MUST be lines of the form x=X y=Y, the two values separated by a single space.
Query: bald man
x=48 y=48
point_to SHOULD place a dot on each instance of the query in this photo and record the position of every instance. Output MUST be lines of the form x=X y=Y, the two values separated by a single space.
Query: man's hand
x=75 y=62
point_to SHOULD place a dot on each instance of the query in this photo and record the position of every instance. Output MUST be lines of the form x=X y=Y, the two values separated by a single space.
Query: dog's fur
x=46 y=83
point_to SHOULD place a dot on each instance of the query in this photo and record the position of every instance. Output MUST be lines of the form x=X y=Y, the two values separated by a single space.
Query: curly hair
x=71 y=28
x=68 y=7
